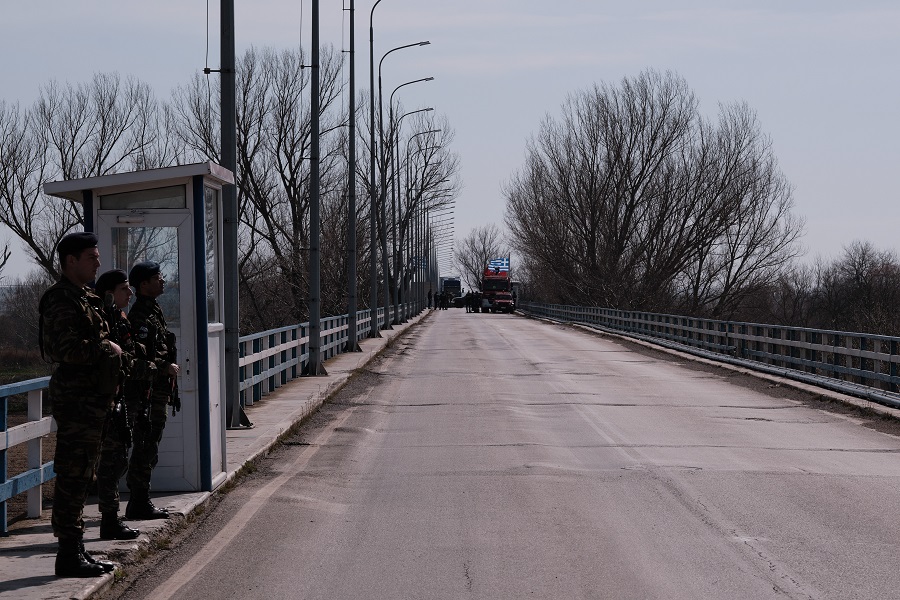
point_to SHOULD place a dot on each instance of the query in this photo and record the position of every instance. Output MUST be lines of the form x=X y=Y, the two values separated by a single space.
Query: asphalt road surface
x=497 y=457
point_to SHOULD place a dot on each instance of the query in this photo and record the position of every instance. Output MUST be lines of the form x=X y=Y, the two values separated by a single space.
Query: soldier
x=74 y=333
x=151 y=401
x=113 y=288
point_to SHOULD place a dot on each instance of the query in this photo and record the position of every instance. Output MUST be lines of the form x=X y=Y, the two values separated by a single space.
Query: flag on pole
x=499 y=264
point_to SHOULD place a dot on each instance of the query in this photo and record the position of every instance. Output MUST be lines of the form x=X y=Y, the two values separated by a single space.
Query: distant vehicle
x=453 y=285
x=496 y=291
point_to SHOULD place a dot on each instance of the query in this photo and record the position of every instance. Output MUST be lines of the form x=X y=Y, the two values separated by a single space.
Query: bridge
x=496 y=456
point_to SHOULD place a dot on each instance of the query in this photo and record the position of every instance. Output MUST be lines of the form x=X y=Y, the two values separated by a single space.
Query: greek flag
x=499 y=264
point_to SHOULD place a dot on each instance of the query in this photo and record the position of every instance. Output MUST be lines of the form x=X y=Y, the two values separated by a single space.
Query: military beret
x=74 y=243
x=141 y=272
x=109 y=280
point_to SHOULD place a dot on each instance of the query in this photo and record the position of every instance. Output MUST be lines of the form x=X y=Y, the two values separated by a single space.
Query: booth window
x=211 y=201
x=164 y=197
x=131 y=245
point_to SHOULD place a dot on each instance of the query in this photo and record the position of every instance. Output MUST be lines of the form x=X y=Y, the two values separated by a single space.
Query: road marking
x=237 y=523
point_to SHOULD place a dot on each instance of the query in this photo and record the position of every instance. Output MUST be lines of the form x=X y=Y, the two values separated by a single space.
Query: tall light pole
x=397 y=163
x=352 y=308
x=315 y=288
x=397 y=152
x=235 y=416
x=373 y=235
x=383 y=194
x=393 y=143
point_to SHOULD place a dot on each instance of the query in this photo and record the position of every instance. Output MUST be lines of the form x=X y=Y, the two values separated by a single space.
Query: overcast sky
x=822 y=75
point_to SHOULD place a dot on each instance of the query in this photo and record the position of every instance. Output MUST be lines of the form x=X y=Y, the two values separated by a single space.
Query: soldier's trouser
x=80 y=421
x=148 y=430
x=113 y=464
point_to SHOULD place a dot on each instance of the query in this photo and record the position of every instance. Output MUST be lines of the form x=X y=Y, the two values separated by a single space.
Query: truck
x=496 y=291
x=451 y=286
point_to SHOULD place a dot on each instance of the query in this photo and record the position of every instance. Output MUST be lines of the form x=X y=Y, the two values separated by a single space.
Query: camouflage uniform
x=75 y=334
x=150 y=402
x=114 y=452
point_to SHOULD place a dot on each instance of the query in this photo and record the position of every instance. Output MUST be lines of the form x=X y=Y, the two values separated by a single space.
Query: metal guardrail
x=267 y=360
x=271 y=358
x=859 y=364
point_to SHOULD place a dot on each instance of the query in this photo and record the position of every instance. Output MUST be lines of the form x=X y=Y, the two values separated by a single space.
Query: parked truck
x=496 y=291
x=451 y=286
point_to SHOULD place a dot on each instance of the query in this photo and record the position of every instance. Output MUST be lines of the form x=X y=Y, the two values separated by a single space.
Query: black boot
x=141 y=508
x=112 y=528
x=107 y=565
x=70 y=562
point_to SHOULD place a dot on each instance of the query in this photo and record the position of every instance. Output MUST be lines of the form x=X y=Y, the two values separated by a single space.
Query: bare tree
x=5 y=255
x=273 y=159
x=39 y=221
x=19 y=313
x=474 y=251
x=631 y=200
x=72 y=132
x=860 y=290
x=757 y=235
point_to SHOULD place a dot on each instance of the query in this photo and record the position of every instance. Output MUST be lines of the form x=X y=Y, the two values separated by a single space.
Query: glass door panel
x=134 y=244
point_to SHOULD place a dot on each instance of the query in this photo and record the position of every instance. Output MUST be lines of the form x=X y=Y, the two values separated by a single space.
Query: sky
x=822 y=76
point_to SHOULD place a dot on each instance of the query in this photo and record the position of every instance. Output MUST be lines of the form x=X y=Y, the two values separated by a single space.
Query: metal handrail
x=860 y=364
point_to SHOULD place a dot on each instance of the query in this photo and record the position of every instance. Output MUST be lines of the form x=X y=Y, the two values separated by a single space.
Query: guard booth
x=173 y=216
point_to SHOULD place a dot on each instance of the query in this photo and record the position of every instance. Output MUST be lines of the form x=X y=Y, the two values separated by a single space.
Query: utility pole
x=352 y=344
x=235 y=417
x=315 y=287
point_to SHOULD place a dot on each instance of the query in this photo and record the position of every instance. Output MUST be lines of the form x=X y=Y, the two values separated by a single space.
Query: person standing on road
x=152 y=400
x=112 y=287
x=75 y=334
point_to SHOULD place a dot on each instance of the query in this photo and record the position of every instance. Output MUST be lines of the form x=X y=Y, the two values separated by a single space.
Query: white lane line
x=237 y=523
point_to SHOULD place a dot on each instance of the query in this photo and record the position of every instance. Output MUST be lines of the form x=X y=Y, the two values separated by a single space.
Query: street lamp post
x=352 y=308
x=397 y=170
x=412 y=212
x=373 y=235
x=383 y=191
x=393 y=141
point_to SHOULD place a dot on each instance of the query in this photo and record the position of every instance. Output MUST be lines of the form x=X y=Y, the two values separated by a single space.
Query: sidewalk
x=27 y=556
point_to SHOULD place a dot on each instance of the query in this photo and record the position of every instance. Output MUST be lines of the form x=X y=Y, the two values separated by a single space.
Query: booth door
x=126 y=239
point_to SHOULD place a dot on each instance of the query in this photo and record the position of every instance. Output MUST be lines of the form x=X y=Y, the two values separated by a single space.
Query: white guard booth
x=173 y=216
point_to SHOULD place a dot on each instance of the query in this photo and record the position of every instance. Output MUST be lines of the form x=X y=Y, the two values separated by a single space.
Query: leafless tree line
x=858 y=291
x=112 y=124
x=631 y=199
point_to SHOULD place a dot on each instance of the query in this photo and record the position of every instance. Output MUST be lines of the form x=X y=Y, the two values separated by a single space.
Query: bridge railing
x=860 y=364
x=271 y=358
x=267 y=361
x=30 y=432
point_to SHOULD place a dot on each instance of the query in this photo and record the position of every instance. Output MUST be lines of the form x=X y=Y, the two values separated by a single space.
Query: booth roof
x=73 y=188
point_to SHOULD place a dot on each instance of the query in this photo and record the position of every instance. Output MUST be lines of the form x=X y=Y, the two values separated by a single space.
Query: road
x=497 y=457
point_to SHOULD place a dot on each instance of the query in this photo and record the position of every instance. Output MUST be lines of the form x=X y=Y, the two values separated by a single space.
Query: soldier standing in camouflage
x=113 y=288
x=75 y=334
x=149 y=328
